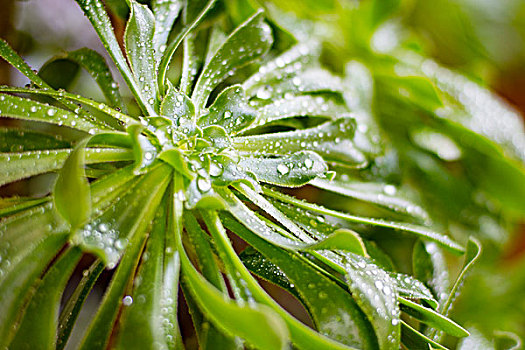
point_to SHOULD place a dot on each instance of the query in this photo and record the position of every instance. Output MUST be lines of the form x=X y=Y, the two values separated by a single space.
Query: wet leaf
x=257 y=324
x=289 y=171
x=432 y=318
x=165 y=12
x=384 y=195
x=376 y=294
x=38 y=328
x=22 y=108
x=139 y=40
x=26 y=164
x=108 y=234
x=72 y=180
x=97 y=15
x=95 y=65
x=332 y=308
x=249 y=41
x=422 y=231
x=331 y=140
x=300 y=106
x=20 y=140
x=282 y=67
x=230 y=110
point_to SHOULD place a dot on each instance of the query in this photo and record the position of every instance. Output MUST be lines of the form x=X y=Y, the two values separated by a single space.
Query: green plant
x=156 y=195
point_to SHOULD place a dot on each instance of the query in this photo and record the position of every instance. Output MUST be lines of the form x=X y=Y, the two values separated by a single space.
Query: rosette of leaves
x=153 y=197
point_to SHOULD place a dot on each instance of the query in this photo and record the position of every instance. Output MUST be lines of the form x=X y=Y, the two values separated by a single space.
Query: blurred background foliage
x=394 y=52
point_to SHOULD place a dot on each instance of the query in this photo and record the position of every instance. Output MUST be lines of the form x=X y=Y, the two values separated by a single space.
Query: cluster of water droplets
x=104 y=236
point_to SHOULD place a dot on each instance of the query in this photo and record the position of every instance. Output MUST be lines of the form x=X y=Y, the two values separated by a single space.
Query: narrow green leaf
x=171 y=274
x=331 y=140
x=177 y=107
x=294 y=170
x=472 y=254
x=97 y=15
x=38 y=328
x=108 y=234
x=303 y=336
x=410 y=288
x=23 y=108
x=432 y=318
x=382 y=194
x=282 y=67
x=149 y=306
x=478 y=109
x=216 y=39
x=7 y=53
x=172 y=47
x=99 y=331
x=248 y=218
x=300 y=106
x=209 y=336
x=429 y=266
x=258 y=264
x=19 y=166
x=249 y=41
x=311 y=80
x=420 y=91
x=175 y=158
x=120 y=118
x=332 y=308
x=191 y=63
x=24 y=270
x=376 y=293
x=144 y=151
x=422 y=231
x=139 y=39
x=413 y=339
x=257 y=324
x=75 y=302
x=21 y=140
x=342 y=239
x=72 y=180
x=96 y=66
x=165 y=12
x=230 y=110
x=16 y=61
x=13 y=205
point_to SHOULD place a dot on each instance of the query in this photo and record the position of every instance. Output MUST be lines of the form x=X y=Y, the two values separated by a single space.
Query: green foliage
x=227 y=152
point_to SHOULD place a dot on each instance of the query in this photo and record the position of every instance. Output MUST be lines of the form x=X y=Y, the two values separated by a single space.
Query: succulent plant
x=157 y=196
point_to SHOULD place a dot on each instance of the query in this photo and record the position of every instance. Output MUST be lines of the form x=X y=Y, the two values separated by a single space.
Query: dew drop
x=283 y=169
x=309 y=163
x=203 y=184
x=127 y=301
x=389 y=190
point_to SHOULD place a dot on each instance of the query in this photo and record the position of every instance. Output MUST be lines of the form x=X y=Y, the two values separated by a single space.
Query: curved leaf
x=250 y=40
x=139 y=37
x=257 y=324
x=381 y=194
x=331 y=307
x=289 y=171
x=38 y=328
x=432 y=318
x=72 y=180
x=19 y=166
x=230 y=110
x=331 y=140
x=97 y=15
x=407 y=227
x=376 y=293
